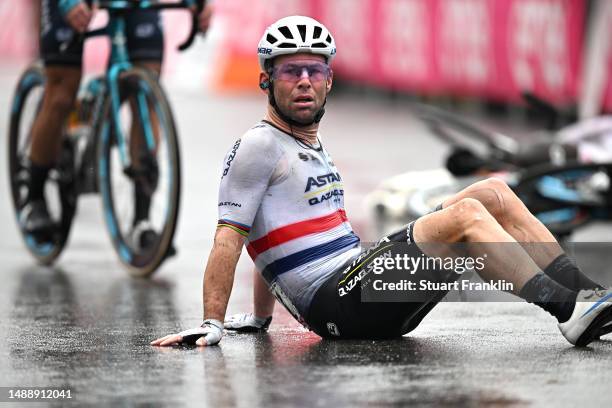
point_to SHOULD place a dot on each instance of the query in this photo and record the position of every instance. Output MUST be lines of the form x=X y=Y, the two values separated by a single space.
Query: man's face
x=301 y=83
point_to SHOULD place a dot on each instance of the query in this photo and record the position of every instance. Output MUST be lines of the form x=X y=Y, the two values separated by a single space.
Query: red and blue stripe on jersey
x=314 y=227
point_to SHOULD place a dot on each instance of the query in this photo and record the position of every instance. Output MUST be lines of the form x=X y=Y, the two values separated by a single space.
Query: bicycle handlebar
x=437 y=118
x=555 y=117
x=122 y=6
x=194 y=25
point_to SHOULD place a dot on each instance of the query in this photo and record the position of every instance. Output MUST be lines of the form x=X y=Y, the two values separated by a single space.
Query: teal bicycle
x=97 y=154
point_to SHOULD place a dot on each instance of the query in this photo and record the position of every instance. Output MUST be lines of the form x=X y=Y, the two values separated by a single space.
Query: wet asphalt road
x=86 y=325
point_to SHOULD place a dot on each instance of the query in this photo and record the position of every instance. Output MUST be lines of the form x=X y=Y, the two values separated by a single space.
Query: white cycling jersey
x=287 y=199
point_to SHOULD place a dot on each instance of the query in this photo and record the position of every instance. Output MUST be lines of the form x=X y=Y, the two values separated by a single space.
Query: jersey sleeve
x=247 y=170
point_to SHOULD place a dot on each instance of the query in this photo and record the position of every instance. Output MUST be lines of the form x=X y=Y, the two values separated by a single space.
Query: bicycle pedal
x=172 y=251
x=46 y=236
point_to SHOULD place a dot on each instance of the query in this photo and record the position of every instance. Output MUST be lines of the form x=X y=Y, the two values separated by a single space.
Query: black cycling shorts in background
x=338 y=311
x=145 y=38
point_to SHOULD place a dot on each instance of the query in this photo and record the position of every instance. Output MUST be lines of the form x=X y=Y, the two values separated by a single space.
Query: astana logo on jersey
x=322 y=188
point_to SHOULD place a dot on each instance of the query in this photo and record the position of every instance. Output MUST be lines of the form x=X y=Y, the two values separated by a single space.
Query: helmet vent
x=319 y=45
x=286 y=32
x=286 y=45
x=271 y=39
x=328 y=39
x=317 y=32
x=302 y=30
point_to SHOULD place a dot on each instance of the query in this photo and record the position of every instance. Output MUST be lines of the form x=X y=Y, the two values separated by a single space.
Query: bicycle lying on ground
x=564 y=193
x=96 y=158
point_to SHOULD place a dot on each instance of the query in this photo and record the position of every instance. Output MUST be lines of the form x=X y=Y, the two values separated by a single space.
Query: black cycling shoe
x=143 y=237
x=607 y=329
x=172 y=251
x=34 y=218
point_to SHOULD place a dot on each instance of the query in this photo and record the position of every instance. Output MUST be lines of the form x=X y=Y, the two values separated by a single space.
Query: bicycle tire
x=139 y=263
x=45 y=252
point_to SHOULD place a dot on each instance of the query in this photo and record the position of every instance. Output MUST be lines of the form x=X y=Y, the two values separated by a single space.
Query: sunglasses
x=291 y=71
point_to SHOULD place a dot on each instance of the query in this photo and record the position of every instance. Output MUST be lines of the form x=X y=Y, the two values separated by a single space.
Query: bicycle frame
x=97 y=138
x=120 y=62
x=542 y=186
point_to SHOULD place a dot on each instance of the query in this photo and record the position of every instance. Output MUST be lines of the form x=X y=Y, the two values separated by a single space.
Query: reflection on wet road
x=65 y=329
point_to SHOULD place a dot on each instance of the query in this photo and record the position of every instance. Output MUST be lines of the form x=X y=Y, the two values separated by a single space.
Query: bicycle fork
x=143 y=117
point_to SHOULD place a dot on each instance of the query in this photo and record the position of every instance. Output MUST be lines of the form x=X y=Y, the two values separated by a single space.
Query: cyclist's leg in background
x=63 y=74
x=145 y=42
x=516 y=219
x=62 y=83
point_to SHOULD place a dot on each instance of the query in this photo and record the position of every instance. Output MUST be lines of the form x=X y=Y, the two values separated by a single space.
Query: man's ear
x=264 y=82
x=330 y=80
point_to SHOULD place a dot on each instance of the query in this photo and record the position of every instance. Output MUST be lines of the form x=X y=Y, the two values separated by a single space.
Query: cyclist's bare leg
x=468 y=221
x=60 y=89
x=514 y=217
x=62 y=84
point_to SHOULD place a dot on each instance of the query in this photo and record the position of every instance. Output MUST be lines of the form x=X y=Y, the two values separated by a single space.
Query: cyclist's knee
x=60 y=99
x=454 y=224
x=496 y=196
x=468 y=207
x=506 y=204
x=62 y=84
x=499 y=186
x=471 y=215
x=60 y=103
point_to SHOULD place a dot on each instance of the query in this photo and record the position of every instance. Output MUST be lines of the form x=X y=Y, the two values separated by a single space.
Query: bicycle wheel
x=144 y=114
x=59 y=190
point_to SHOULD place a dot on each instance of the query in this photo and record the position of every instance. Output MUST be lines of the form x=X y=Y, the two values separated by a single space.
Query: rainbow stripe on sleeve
x=236 y=226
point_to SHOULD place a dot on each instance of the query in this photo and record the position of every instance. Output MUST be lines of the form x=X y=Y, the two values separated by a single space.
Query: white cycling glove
x=211 y=330
x=247 y=322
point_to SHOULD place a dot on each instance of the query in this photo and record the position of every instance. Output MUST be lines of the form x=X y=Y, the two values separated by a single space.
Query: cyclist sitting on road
x=282 y=196
x=60 y=21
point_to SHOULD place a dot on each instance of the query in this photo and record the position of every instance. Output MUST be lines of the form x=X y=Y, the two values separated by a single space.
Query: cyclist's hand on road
x=204 y=18
x=79 y=17
x=208 y=334
x=247 y=322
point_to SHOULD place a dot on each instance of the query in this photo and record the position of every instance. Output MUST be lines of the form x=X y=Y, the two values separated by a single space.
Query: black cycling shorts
x=144 y=36
x=338 y=310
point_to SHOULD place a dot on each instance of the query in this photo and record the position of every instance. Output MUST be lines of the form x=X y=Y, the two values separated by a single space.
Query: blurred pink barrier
x=18 y=29
x=485 y=48
x=481 y=48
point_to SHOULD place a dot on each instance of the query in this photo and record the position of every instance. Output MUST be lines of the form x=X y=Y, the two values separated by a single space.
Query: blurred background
x=471 y=57
x=85 y=323
x=477 y=49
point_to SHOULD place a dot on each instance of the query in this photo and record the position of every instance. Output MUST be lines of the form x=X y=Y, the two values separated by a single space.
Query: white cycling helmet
x=294 y=34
